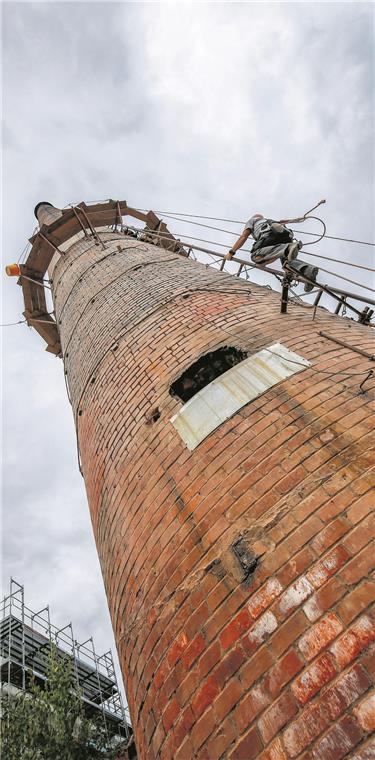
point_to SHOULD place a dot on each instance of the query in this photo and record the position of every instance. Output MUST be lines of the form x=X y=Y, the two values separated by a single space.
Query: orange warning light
x=13 y=270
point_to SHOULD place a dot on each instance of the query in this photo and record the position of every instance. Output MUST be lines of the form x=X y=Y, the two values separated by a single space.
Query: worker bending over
x=273 y=240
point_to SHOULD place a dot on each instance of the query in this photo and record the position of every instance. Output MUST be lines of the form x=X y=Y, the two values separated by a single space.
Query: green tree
x=50 y=724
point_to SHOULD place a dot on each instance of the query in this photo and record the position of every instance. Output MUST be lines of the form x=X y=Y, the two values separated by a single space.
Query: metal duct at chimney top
x=46 y=213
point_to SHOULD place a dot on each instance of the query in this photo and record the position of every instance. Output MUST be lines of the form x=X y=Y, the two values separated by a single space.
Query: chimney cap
x=41 y=203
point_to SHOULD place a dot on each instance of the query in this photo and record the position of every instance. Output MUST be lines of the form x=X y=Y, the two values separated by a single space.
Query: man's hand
x=238 y=244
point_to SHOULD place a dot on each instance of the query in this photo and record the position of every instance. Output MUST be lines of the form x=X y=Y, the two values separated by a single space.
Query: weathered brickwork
x=276 y=667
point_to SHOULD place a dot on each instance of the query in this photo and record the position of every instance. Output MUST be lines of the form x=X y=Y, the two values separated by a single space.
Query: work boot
x=294 y=249
x=312 y=275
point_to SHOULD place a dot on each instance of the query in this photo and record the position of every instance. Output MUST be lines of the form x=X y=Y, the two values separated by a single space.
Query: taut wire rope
x=239 y=221
x=211 y=242
x=235 y=234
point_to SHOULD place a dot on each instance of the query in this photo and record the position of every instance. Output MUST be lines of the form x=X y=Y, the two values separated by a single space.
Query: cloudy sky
x=220 y=109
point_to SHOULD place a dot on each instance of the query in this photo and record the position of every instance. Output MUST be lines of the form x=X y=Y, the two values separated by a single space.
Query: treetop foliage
x=49 y=722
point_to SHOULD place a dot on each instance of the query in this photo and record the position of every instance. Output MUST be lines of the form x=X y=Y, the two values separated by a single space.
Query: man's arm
x=291 y=221
x=238 y=244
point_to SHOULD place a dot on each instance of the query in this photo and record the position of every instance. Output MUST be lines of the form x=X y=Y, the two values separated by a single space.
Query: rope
x=352 y=282
x=22 y=321
x=10 y=324
x=238 y=221
x=338 y=261
x=323 y=233
x=27 y=246
x=247 y=250
x=313 y=369
x=319 y=371
x=230 y=232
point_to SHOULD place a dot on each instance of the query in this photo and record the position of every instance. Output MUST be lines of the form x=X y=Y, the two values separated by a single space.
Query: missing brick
x=246 y=558
x=152 y=416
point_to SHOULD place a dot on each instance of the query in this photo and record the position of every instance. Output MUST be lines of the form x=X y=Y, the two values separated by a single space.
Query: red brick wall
x=215 y=667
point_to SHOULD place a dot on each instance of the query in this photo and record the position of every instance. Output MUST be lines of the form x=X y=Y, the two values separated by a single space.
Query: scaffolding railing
x=216 y=259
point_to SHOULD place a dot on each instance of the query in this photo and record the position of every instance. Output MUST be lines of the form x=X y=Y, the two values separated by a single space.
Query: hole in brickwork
x=152 y=416
x=205 y=370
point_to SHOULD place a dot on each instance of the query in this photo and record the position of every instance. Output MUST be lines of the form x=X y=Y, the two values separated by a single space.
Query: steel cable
x=165 y=235
x=238 y=221
x=231 y=232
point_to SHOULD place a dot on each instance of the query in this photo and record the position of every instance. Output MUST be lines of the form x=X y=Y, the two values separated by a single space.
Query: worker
x=273 y=240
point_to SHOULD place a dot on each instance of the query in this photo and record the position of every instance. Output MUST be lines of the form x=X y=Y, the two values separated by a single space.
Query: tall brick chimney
x=226 y=455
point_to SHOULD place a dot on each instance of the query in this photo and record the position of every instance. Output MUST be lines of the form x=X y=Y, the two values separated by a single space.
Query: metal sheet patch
x=229 y=392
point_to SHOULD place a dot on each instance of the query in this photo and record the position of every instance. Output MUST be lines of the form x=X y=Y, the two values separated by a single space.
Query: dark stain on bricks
x=183 y=506
x=246 y=558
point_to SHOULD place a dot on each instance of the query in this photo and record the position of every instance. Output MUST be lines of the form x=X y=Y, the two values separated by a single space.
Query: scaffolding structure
x=26 y=641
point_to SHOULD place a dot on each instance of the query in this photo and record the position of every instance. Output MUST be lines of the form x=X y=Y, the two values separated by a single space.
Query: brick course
x=215 y=667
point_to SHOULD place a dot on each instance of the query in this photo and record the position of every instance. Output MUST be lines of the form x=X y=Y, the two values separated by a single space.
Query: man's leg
x=306 y=270
x=294 y=249
x=268 y=249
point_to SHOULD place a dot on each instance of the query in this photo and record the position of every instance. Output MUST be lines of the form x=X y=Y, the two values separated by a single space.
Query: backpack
x=278 y=233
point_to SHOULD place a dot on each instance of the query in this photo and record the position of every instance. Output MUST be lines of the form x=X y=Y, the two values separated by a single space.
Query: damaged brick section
x=205 y=370
x=247 y=559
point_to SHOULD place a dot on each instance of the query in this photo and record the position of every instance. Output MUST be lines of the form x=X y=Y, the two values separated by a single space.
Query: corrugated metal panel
x=219 y=400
